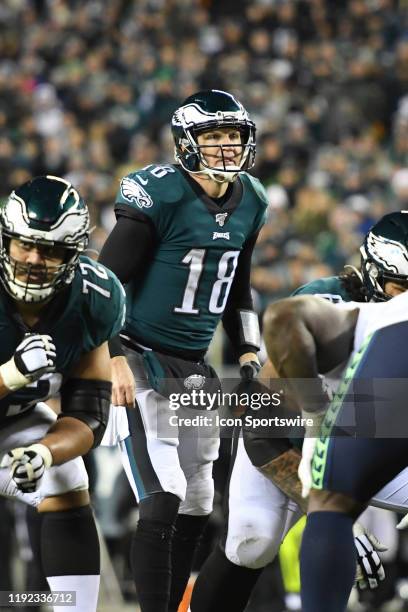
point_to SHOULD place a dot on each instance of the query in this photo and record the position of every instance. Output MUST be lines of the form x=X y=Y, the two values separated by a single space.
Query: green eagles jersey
x=91 y=311
x=186 y=286
x=330 y=288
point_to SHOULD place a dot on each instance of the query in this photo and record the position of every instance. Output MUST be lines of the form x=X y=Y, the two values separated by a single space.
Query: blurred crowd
x=87 y=89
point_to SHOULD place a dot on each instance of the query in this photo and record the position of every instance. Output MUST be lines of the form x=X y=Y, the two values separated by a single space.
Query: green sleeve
x=151 y=191
x=106 y=309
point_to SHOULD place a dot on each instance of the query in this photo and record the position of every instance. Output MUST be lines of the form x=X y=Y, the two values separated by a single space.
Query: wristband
x=44 y=451
x=13 y=379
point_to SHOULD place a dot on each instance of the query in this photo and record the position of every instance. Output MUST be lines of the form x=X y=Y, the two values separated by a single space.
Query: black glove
x=249 y=370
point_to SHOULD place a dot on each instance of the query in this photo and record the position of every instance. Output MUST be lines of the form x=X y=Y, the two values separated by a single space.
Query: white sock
x=86 y=590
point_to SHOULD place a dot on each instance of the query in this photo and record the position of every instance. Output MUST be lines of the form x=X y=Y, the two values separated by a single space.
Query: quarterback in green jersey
x=58 y=309
x=182 y=246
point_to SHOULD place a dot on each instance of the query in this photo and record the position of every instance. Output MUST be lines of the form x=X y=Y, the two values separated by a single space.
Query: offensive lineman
x=182 y=245
x=261 y=506
x=57 y=311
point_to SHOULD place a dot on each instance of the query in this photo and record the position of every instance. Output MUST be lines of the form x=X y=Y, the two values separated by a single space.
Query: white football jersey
x=375 y=316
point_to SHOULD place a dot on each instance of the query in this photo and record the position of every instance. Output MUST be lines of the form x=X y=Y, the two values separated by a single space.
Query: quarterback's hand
x=249 y=369
x=370 y=571
x=28 y=465
x=123 y=383
x=33 y=357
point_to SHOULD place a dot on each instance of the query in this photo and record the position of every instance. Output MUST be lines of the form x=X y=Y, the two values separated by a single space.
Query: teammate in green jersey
x=182 y=245
x=57 y=311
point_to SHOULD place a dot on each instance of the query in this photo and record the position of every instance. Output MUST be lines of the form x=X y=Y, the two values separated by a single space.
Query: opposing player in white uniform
x=264 y=494
x=341 y=471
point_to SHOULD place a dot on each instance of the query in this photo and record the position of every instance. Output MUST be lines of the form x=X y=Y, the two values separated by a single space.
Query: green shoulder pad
x=104 y=309
x=149 y=188
x=257 y=186
x=254 y=186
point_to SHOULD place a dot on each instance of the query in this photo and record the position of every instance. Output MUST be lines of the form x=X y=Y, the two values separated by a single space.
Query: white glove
x=308 y=448
x=370 y=571
x=33 y=357
x=305 y=465
x=28 y=466
x=403 y=524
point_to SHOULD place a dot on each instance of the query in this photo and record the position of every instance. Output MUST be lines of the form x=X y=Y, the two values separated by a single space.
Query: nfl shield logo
x=194 y=381
x=220 y=218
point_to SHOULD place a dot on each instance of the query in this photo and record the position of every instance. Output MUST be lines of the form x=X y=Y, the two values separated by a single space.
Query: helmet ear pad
x=191 y=160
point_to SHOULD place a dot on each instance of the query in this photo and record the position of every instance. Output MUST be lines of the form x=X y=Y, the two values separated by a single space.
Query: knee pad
x=207 y=450
x=251 y=543
x=200 y=492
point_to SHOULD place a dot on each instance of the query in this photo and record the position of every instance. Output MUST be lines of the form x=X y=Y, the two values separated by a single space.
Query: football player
x=267 y=502
x=57 y=310
x=342 y=472
x=182 y=245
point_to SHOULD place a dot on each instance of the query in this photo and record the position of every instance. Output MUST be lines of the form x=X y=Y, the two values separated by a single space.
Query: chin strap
x=355 y=271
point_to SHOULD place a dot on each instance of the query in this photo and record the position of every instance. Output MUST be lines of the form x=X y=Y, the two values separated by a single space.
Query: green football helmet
x=49 y=213
x=384 y=255
x=205 y=111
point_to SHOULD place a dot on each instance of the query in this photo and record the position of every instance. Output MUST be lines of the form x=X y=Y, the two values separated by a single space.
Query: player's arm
x=85 y=401
x=276 y=458
x=130 y=246
x=307 y=335
x=128 y=252
x=240 y=321
x=304 y=336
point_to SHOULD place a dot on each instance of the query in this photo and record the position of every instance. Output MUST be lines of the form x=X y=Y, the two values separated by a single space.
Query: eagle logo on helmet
x=390 y=253
x=194 y=381
x=133 y=192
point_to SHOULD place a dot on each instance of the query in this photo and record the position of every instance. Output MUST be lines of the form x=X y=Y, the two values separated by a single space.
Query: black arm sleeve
x=127 y=252
x=240 y=298
x=130 y=246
